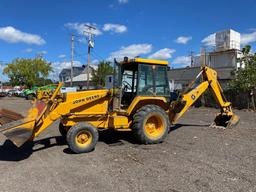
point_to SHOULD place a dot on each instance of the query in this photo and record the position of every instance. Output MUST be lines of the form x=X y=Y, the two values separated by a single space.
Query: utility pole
x=192 y=59
x=88 y=66
x=62 y=77
x=90 y=41
x=1 y=80
x=72 y=59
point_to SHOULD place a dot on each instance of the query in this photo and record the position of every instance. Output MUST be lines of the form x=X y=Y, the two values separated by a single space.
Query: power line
x=79 y=54
x=101 y=58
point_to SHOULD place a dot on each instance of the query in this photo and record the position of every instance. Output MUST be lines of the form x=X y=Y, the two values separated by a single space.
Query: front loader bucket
x=18 y=129
x=225 y=121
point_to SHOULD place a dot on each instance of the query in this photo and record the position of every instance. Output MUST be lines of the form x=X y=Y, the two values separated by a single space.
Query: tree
x=99 y=75
x=28 y=72
x=245 y=77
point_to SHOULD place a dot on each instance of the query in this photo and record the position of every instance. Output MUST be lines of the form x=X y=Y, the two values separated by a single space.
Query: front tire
x=63 y=130
x=82 y=137
x=150 y=124
x=30 y=97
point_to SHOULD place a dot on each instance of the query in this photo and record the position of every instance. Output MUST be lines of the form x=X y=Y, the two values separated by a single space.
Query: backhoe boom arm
x=226 y=117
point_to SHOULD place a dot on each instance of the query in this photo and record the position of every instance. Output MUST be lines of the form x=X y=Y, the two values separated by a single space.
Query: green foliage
x=99 y=76
x=245 y=78
x=28 y=72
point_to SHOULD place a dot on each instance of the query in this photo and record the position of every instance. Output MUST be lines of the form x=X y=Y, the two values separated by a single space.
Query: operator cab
x=141 y=77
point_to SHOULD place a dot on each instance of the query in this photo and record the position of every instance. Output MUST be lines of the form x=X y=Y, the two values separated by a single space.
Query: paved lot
x=193 y=158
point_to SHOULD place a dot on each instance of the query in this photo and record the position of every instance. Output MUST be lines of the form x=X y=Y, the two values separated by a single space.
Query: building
x=225 y=53
x=79 y=78
x=219 y=59
x=224 y=58
x=65 y=73
x=227 y=40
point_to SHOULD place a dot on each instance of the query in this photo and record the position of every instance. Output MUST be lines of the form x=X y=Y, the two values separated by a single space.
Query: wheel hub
x=154 y=126
x=84 y=138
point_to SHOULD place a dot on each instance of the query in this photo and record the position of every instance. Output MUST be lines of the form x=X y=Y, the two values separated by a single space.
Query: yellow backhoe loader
x=139 y=102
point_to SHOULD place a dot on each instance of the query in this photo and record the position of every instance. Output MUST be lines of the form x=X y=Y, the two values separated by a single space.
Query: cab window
x=161 y=82
x=146 y=86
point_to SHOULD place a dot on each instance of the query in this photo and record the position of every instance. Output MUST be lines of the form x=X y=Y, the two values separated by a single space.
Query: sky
x=156 y=29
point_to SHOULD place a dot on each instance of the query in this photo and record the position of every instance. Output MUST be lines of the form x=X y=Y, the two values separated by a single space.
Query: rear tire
x=150 y=124
x=82 y=137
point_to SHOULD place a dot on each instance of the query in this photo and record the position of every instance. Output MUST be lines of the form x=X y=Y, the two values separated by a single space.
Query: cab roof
x=145 y=61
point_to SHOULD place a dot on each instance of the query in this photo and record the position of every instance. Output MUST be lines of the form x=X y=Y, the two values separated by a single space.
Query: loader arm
x=225 y=118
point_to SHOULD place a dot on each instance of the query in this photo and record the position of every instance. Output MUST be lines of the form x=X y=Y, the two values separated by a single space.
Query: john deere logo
x=86 y=99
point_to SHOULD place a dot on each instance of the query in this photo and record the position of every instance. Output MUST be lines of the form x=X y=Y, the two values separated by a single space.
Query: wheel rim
x=83 y=138
x=154 y=126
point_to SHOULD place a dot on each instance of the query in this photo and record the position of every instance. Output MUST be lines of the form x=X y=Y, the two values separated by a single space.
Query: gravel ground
x=193 y=158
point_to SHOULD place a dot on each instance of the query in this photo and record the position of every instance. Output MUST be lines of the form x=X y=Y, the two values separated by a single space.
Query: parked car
x=29 y=94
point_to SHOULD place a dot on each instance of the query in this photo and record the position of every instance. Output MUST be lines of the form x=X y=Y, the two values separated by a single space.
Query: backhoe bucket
x=16 y=128
x=225 y=121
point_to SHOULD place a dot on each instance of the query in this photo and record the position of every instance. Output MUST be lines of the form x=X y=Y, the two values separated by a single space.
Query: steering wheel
x=126 y=86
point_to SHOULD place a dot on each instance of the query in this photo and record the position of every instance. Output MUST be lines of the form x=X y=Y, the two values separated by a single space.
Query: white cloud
x=182 y=60
x=163 y=54
x=63 y=64
x=131 y=51
x=95 y=61
x=28 y=50
x=183 y=39
x=62 y=56
x=58 y=66
x=115 y=28
x=81 y=28
x=247 y=38
x=123 y=1
x=42 y=53
x=209 y=40
x=12 y=35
